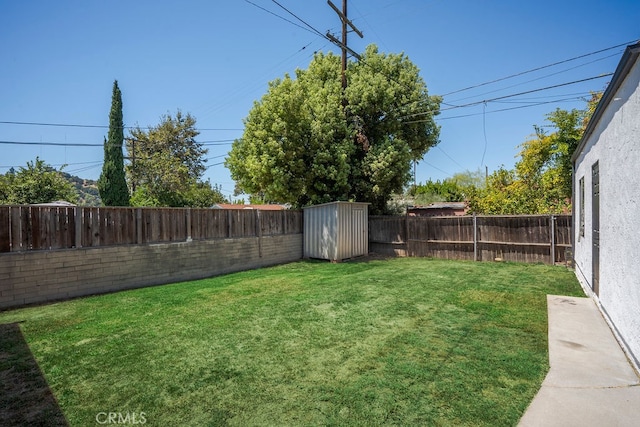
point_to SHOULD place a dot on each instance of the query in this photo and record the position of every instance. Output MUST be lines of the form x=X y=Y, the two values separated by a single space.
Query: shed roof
x=629 y=58
x=339 y=202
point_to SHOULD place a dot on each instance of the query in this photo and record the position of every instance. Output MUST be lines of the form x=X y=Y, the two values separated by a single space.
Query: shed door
x=360 y=235
x=595 y=217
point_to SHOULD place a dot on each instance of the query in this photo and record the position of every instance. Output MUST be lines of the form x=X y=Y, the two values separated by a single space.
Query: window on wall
x=581 y=196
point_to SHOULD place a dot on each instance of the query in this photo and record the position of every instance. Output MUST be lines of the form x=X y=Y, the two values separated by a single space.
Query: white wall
x=615 y=143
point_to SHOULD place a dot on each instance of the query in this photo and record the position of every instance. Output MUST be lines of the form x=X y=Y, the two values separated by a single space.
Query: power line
x=86 y=168
x=511 y=76
x=538 y=78
x=212 y=129
x=539 y=68
x=484 y=132
x=279 y=16
x=437 y=168
x=328 y=36
x=533 y=90
x=248 y=87
x=450 y=158
x=471 y=104
x=59 y=164
x=215 y=164
x=83 y=144
x=60 y=144
x=300 y=19
x=503 y=109
x=371 y=28
x=315 y=31
x=56 y=124
x=74 y=125
x=536 y=98
x=215 y=157
x=219 y=143
x=337 y=42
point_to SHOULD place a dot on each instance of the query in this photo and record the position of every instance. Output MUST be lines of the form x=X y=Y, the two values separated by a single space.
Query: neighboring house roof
x=62 y=203
x=627 y=62
x=442 y=205
x=256 y=207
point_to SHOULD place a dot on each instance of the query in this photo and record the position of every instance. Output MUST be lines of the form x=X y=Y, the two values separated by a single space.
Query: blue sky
x=213 y=59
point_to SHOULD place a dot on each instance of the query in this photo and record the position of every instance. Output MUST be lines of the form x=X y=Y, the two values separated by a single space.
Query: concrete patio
x=590 y=382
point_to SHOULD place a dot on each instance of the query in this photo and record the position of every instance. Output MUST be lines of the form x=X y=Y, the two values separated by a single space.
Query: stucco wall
x=615 y=144
x=39 y=276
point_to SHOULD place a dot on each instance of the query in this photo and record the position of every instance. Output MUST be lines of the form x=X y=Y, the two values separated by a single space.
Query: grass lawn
x=404 y=341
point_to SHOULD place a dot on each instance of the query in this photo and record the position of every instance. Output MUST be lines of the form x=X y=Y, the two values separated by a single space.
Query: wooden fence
x=28 y=228
x=536 y=238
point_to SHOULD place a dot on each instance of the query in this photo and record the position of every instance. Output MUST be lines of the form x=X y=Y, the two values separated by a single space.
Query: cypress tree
x=112 y=183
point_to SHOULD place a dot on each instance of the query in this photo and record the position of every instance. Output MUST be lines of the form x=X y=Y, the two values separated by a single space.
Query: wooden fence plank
x=59 y=240
x=294 y=222
x=38 y=228
x=5 y=228
x=206 y=224
x=85 y=228
x=218 y=224
x=26 y=229
x=248 y=224
x=114 y=230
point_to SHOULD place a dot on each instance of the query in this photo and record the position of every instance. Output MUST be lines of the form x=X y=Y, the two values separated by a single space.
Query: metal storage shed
x=336 y=230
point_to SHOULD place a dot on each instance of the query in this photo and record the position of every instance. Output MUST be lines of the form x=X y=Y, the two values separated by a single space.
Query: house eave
x=626 y=63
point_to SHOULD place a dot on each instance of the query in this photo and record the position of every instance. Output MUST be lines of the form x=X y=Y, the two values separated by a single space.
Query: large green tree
x=35 y=183
x=437 y=191
x=203 y=194
x=112 y=183
x=307 y=141
x=5 y=186
x=167 y=162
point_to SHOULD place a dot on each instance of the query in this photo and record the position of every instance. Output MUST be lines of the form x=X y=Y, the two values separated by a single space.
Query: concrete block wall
x=41 y=276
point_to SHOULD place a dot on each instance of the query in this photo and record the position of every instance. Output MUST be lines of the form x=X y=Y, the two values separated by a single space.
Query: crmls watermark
x=121 y=418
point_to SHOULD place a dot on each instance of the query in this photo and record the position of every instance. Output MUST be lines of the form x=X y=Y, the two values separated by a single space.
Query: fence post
x=284 y=223
x=188 y=224
x=139 y=226
x=5 y=229
x=405 y=238
x=77 y=211
x=553 y=239
x=258 y=225
x=475 y=237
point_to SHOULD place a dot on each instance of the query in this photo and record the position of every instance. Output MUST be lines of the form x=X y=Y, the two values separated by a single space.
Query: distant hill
x=88 y=194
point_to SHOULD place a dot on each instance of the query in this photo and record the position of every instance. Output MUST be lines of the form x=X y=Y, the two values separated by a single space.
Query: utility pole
x=343 y=44
x=344 y=20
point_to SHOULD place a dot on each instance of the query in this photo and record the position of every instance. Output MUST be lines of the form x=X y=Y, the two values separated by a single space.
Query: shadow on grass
x=25 y=397
x=372 y=256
